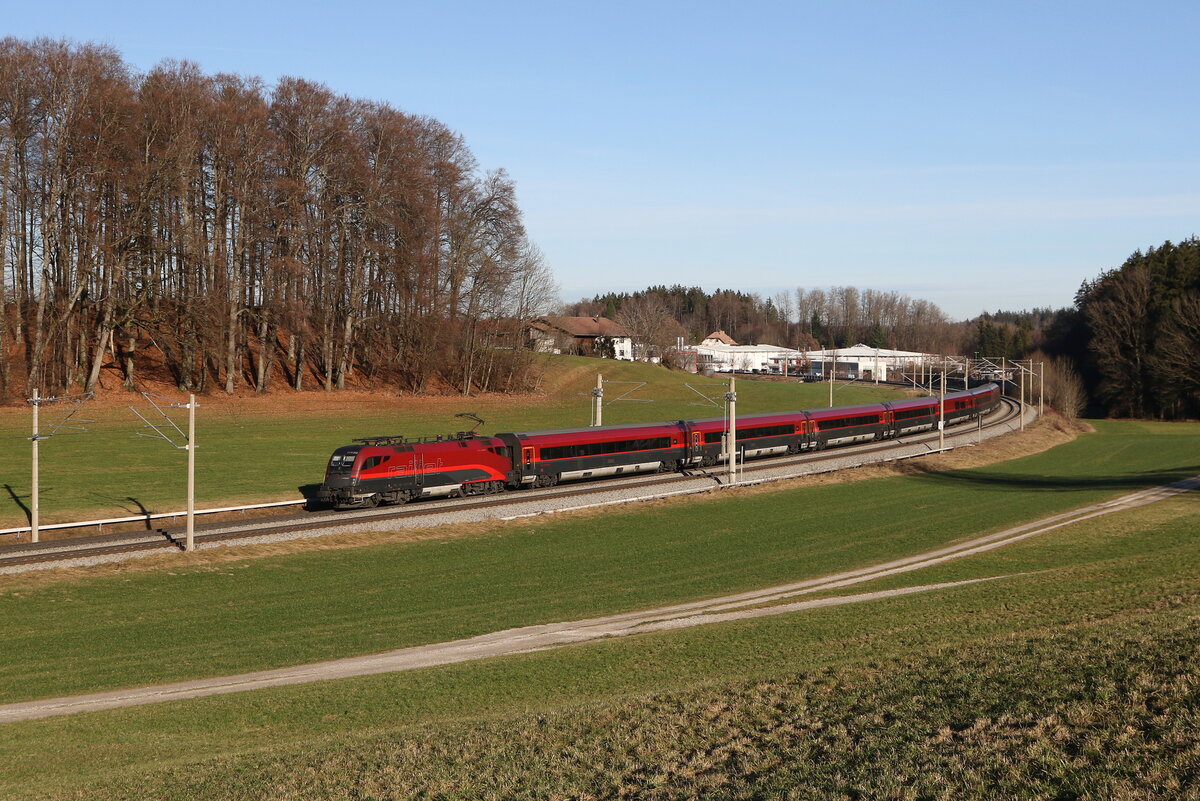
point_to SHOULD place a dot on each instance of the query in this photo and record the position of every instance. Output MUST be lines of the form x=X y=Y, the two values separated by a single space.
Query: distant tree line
x=241 y=232
x=805 y=319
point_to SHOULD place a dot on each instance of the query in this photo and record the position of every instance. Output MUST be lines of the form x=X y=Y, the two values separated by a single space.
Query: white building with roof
x=857 y=362
x=721 y=358
x=863 y=361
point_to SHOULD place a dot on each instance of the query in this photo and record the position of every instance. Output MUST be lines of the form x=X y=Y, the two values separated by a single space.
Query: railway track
x=62 y=552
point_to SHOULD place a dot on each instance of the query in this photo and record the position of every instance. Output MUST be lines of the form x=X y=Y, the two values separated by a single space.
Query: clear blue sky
x=982 y=156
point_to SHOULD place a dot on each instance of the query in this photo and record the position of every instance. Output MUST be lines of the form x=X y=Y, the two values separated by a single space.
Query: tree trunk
x=266 y=353
x=344 y=361
x=130 y=350
x=297 y=345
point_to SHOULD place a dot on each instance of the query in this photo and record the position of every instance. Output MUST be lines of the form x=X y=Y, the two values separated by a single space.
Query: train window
x=765 y=431
x=371 y=461
x=848 y=422
x=603 y=448
x=908 y=414
x=712 y=437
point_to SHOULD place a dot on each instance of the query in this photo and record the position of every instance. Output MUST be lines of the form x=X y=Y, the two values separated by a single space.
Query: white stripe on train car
x=643 y=467
x=436 y=492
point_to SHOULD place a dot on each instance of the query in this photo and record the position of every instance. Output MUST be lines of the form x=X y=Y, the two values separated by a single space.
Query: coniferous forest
x=1135 y=332
x=244 y=234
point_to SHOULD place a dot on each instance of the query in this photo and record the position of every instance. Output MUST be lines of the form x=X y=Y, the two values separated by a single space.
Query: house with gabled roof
x=585 y=336
x=718 y=338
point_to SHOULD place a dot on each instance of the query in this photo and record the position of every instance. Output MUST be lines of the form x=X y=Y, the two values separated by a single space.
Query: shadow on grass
x=312 y=500
x=141 y=510
x=1016 y=482
x=12 y=493
x=137 y=509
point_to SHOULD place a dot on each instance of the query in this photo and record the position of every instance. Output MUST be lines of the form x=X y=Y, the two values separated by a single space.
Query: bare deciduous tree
x=232 y=229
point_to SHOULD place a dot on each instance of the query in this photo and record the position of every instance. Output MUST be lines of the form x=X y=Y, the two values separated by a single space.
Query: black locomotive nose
x=338 y=482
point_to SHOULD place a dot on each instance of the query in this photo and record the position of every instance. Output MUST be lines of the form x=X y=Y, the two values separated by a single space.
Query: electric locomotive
x=396 y=469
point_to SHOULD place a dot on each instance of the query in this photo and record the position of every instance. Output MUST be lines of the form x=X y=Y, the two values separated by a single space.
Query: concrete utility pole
x=55 y=427
x=731 y=399
x=1041 y=389
x=33 y=505
x=832 y=376
x=942 y=412
x=1022 y=407
x=598 y=400
x=162 y=430
x=191 y=478
x=978 y=427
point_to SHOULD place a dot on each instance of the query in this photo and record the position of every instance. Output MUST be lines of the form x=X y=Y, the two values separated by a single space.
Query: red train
x=396 y=470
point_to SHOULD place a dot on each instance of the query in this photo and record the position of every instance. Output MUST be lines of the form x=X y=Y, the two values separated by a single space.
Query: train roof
x=399 y=444
x=751 y=419
x=672 y=425
x=911 y=403
x=846 y=411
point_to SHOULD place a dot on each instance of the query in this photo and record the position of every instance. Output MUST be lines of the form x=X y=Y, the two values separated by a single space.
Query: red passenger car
x=847 y=424
x=757 y=435
x=543 y=458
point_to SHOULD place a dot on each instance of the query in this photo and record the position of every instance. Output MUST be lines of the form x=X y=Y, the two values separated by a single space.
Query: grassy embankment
x=264 y=449
x=1075 y=674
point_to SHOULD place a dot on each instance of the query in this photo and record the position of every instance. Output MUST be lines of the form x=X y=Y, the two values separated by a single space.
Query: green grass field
x=1021 y=683
x=265 y=449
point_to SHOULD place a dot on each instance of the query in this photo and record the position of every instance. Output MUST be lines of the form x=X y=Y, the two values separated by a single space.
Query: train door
x=419 y=470
x=527 y=460
x=697 y=451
